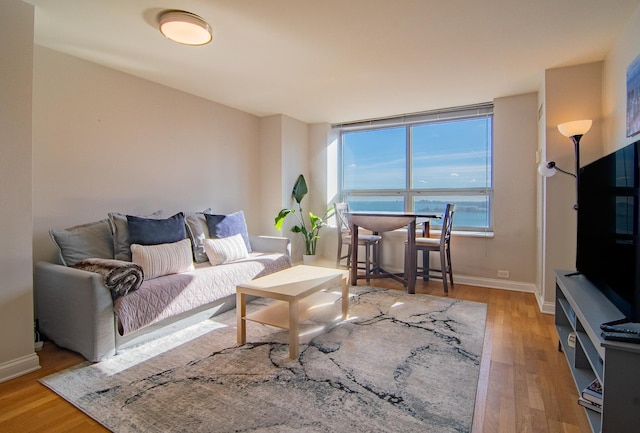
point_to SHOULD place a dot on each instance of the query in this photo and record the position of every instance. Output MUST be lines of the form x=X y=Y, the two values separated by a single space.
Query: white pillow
x=225 y=250
x=163 y=259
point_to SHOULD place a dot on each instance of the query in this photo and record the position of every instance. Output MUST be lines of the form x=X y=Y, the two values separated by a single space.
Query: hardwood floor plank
x=524 y=386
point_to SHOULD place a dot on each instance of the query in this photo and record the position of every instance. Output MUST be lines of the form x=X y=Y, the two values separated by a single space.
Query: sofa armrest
x=271 y=244
x=75 y=310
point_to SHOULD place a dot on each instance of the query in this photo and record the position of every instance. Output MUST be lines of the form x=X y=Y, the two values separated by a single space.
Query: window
x=420 y=163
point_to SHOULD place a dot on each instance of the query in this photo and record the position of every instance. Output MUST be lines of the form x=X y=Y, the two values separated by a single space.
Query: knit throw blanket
x=119 y=276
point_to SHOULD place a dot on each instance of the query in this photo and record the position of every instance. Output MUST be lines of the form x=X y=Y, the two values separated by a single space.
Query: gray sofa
x=76 y=310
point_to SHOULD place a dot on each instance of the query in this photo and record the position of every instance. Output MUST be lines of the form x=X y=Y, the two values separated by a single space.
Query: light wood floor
x=525 y=384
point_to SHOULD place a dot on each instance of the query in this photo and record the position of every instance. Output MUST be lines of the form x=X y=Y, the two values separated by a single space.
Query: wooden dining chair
x=442 y=245
x=370 y=242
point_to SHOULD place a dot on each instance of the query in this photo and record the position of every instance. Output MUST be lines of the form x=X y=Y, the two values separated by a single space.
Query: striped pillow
x=163 y=259
x=225 y=250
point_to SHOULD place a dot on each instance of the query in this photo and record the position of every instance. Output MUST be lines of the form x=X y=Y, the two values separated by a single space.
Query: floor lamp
x=575 y=130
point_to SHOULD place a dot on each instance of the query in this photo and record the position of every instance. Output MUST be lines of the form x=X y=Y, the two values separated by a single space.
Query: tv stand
x=581 y=308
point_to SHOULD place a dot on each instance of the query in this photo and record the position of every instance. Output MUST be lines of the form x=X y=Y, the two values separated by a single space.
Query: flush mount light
x=184 y=27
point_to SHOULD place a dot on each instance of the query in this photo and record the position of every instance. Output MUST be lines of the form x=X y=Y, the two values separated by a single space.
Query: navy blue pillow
x=223 y=226
x=149 y=231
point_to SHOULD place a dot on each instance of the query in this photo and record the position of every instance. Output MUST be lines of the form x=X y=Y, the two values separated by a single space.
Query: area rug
x=400 y=363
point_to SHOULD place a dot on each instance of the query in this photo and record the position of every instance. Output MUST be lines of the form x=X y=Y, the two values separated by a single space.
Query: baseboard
x=517 y=286
x=18 y=367
x=546 y=307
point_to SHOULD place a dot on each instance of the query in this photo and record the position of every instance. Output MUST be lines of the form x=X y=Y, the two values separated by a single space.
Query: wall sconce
x=550 y=168
x=184 y=27
x=575 y=130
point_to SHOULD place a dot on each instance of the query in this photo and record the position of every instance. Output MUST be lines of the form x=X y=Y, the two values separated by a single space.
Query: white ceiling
x=340 y=60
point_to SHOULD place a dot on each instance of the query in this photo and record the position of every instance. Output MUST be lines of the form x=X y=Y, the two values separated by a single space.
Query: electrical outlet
x=503 y=274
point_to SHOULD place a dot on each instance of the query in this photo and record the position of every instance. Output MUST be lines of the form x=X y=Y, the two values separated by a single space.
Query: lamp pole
x=576 y=144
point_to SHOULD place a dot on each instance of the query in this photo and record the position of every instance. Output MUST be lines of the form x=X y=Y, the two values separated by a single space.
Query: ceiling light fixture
x=184 y=27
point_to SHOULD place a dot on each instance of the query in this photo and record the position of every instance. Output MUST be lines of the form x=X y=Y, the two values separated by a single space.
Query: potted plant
x=309 y=230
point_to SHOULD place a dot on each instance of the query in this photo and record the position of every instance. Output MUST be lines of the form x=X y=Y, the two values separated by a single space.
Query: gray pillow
x=197 y=231
x=151 y=231
x=222 y=226
x=85 y=241
x=120 y=233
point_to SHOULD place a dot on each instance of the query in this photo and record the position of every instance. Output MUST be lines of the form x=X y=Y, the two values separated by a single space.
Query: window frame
x=408 y=193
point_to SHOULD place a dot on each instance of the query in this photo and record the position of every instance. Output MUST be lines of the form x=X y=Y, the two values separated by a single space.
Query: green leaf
x=299 y=189
x=280 y=218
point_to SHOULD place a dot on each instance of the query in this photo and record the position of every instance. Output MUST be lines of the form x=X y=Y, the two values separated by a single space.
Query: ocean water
x=471 y=214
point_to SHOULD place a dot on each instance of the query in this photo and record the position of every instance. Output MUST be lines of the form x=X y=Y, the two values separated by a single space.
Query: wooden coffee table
x=300 y=288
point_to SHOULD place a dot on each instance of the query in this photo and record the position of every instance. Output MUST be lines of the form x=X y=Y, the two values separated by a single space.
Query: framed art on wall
x=633 y=98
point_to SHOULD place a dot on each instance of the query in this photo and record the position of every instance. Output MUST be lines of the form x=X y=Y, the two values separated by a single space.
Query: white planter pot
x=309 y=259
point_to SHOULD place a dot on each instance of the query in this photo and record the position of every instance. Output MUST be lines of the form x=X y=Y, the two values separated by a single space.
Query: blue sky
x=449 y=154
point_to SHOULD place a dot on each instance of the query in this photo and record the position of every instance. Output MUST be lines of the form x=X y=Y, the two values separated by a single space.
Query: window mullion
x=408 y=202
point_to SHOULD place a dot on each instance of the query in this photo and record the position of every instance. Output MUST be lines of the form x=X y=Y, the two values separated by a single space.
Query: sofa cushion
x=152 y=231
x=120 y=234
x=197 y=231
x=163 y=259
x=225 y=250
x=83 y=241
x=223 y=226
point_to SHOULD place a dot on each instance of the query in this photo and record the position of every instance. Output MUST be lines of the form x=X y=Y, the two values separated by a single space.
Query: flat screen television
x=608 y=247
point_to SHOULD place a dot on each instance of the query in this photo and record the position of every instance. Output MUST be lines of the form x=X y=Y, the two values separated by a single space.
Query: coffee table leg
x=241 y=312
x=345 y=299
x=293 y=329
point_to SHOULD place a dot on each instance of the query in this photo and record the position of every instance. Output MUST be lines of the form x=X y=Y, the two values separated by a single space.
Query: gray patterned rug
x=401 y=363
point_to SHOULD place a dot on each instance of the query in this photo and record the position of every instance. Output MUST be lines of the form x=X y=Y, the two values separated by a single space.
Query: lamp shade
x=184 y=27
x=577 y=127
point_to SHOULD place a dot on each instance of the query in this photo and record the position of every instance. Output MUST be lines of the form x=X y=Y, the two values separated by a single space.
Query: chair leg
x=425 y=265
x=443 y=268
x=349 y=257
x=367 y=262
x=406 y=261
x=376 y=257
x=449 y=268
x=339 y=253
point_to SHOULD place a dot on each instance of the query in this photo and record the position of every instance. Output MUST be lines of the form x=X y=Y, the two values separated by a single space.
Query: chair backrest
x=447 y=224
x=341 y=219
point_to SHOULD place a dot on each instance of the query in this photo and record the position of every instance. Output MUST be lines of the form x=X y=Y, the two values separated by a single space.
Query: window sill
x=471 y=234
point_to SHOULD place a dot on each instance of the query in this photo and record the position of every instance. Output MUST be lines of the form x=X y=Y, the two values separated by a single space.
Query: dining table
x=386 y=221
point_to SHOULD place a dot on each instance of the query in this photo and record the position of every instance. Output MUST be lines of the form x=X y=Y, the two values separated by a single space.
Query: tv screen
x=608 y=213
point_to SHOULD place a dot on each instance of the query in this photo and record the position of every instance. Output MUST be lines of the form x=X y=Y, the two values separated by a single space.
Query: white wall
x=570 y=93
x=287 y=141
x=17 y=354
x=271 y=188
x=623 y=52
x=107 y=141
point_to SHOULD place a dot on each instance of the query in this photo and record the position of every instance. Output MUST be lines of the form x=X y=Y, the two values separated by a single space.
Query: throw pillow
x=163 y=259
x=82 y=242
x=223 y=226
x=120 y=233
x=151 y=231
x=225 y=250
x=197 y=231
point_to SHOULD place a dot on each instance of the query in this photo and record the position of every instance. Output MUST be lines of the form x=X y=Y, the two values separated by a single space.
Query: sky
x=452 y=154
